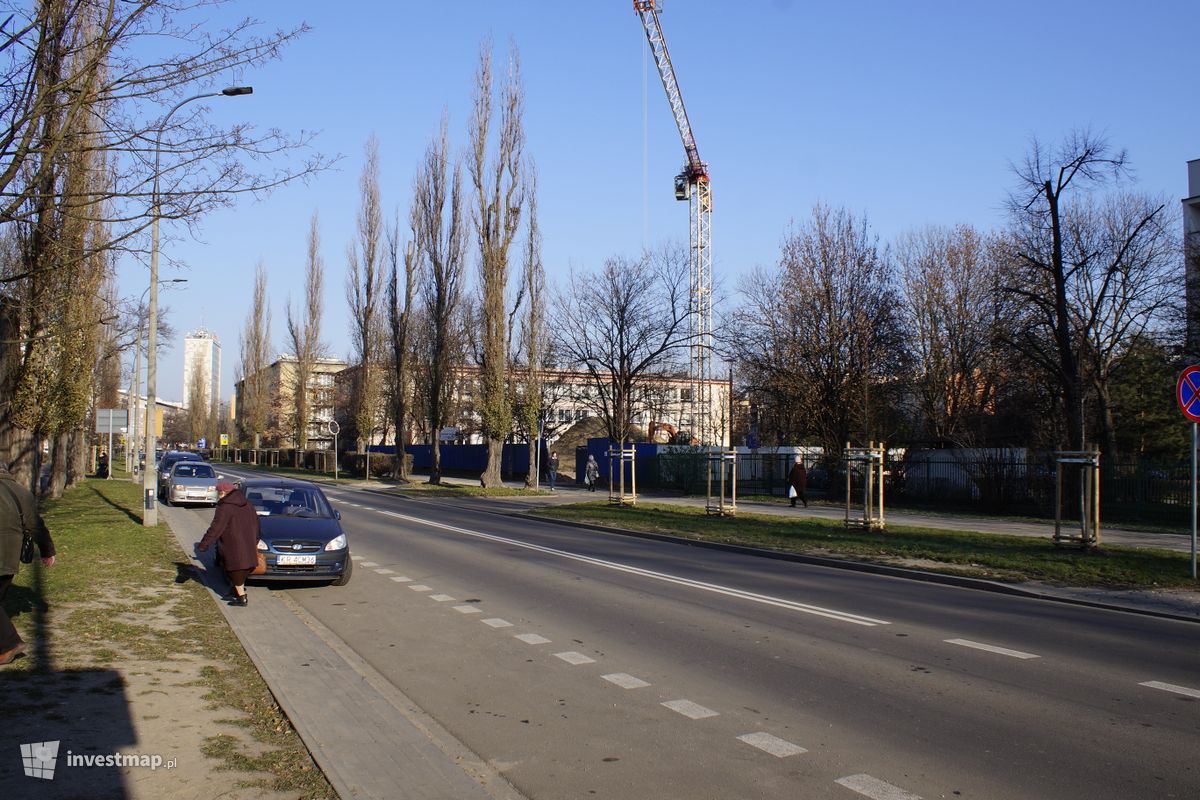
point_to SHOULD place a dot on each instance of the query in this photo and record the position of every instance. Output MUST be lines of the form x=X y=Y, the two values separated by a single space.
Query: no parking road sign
x=1187 y=392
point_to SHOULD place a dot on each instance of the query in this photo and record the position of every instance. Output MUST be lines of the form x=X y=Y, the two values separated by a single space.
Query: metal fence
x=1156 y=495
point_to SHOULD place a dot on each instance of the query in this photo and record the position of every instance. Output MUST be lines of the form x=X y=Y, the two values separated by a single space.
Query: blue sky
x=908 y=113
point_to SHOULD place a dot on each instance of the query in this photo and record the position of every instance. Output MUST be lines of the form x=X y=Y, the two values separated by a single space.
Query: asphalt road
x=583 y=664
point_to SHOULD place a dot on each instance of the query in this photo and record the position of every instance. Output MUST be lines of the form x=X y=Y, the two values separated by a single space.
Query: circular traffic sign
x=1187 y=392
x=334 y=427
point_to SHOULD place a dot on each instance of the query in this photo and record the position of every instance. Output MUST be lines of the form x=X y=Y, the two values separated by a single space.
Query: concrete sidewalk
x=367 y=737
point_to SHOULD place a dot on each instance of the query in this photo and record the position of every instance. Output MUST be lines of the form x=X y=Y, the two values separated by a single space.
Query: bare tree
x=364 y=292
x=950 y=284
x=499 y=196
x=533 y=335
x=400 y=307
x=254 y=406
x=198 y=405
x=1048 y=262
x=304 y=334
x=819 y=333
x=441 y=231
x=1127 y=281
x=624 y=327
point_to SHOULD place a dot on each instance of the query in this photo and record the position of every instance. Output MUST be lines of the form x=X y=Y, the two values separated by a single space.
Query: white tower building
x=202 y=365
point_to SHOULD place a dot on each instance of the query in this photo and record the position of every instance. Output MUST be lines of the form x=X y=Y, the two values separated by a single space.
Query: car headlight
x=262 y=545
x=337 y=543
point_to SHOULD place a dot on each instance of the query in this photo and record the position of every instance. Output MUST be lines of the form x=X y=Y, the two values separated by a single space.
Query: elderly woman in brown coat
x=235 y=527
x=798 y=480
x=19 y=518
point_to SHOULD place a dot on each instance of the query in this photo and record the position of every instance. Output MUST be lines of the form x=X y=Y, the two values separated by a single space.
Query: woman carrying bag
x=235 y=527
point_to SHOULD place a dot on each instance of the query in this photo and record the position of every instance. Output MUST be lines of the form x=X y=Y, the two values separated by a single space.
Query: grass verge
x=992 y=556
x=121 y=594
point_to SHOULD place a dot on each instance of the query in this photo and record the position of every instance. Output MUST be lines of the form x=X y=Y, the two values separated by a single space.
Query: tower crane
x=692 y=185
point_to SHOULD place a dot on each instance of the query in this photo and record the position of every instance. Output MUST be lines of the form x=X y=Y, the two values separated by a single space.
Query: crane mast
x=692 y=185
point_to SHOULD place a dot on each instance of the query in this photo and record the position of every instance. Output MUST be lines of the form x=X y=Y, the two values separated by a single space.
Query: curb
x=959 y=581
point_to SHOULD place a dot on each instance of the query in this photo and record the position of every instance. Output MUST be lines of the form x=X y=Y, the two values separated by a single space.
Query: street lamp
x=135 y=383
x=150 y=475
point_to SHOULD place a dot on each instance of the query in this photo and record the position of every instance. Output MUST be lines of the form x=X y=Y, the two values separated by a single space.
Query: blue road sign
x=1187 y=392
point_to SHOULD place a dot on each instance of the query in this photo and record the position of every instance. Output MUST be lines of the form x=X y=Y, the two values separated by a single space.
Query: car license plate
x=284 y=560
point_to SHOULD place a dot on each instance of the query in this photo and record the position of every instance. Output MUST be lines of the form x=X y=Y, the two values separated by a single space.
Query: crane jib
x=662 y=60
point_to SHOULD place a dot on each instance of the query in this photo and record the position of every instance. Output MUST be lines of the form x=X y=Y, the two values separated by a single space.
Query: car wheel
x=344 y=578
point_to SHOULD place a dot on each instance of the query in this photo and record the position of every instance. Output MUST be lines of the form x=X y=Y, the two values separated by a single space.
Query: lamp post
x=150 y=474
x=135 y=383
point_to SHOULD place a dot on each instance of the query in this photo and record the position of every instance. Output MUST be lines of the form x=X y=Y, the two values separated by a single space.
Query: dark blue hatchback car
x=301 y=534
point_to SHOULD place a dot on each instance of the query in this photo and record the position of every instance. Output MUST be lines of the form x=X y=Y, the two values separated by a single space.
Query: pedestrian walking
x=19 y=521
x=591 y=472
x=798 y=482
x=102 y=465
x=234 y=530
x=553 y=468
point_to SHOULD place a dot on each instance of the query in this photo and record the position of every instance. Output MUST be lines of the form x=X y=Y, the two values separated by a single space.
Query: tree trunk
x=531 y=474
x=435 y=464
x=490 y=478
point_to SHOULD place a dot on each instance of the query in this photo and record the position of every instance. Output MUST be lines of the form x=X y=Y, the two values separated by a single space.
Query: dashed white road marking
x=357 y=558
x=841 y=616
x=991 y=648
x=780 y=748
x=1171 y=687
x=625 y=680
x=385 y=571
x=369 y=564
x=441 y=598
x=468 y=609
x=875 y=788
x=572 y=657
x=420 y=587
x=690 y=710
x=496 y=622
x=532 y=638
x=401 y=579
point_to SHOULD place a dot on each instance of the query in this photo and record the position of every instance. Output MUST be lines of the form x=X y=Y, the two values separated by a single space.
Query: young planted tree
x=304 y=335
x=364 y=292
x=254 y=405
x=499 y=196
x=441 y=235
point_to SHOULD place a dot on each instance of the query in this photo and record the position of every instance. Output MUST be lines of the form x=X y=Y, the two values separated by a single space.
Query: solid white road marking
x=625 y=681
x=496 y=622
x=841 y=616
x=532 y=638
x=689 y=709
x=1170 y=687
x=402 y=579
x=875 y=788
x=468 y=609
x=441 y=598
x=385 y=571
x=420 y=587
x=780 y=748
x=991 y=648
x=369 y=564
x=571 y=657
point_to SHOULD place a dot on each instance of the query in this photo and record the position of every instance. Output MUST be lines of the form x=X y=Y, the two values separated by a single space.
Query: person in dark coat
x=798 y=480
x=235 y=528
x=102 y=465
x=18 y=517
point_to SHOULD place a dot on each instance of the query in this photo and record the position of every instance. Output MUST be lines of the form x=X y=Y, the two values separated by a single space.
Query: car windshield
x=194 y=471
x=288 y=501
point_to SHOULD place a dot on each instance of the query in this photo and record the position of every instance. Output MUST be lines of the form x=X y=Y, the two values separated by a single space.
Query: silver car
x=192 y=482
